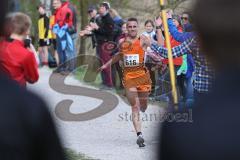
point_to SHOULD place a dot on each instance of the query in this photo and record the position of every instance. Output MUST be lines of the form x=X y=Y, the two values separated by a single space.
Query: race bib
x=131 y=60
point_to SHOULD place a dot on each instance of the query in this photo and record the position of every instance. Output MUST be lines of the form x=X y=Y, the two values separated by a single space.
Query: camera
x=27 y=42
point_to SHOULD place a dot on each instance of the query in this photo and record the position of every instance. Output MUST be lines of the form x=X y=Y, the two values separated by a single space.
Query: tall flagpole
x=170 y=57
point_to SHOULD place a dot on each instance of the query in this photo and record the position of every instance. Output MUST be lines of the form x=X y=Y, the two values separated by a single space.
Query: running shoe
x=140 y=141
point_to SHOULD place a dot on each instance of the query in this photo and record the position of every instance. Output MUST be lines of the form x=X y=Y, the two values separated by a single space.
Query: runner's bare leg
x=132 y=97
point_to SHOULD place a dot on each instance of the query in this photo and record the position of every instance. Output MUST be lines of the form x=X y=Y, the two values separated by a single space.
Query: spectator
x=184 y=73
x=124 y=30
x=104 y=34
x=186 y=22
x=43 y=35
x=18 y=61
x=150 y=32
x=164 y=79
x=184 y=79
x=73 y=33
x=54 y=39
x=116 y=17
x=94 y=18
x=203 y=72
x=65 y=47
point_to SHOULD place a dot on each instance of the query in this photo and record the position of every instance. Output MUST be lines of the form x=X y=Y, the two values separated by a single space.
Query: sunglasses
x=131 y=26
x=184 y=18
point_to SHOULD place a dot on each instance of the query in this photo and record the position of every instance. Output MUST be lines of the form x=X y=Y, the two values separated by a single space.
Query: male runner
x=136 y=79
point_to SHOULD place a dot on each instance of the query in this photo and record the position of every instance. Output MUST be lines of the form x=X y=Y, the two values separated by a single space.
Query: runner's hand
x=102 y=68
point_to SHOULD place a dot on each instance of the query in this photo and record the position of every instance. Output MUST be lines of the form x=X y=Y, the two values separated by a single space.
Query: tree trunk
x=84 y=22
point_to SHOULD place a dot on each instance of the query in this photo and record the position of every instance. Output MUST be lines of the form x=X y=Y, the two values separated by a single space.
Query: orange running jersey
x=134 y=72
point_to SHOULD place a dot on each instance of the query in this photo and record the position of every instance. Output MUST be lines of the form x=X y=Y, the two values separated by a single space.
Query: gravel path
x=108 y=137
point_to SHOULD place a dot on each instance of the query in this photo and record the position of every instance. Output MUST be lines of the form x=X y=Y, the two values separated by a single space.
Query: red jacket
x=64 y=15
x=177 y=61
x=17 y=62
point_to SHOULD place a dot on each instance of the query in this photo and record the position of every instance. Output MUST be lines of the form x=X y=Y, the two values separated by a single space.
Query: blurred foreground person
x=214 y=133
x=27 y=131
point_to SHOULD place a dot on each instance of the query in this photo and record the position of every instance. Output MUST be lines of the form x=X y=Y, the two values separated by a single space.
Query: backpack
x=73 y=29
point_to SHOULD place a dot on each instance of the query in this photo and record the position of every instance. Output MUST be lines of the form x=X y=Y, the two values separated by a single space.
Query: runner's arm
x=115 y=59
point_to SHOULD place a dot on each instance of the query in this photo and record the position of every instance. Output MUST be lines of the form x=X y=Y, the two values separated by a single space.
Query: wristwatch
x=158 y=27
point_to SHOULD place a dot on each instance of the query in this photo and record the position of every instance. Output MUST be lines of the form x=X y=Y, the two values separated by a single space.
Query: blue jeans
x=189 y=98
x=71 y=55
x=184 y=86
x=62 y=56
x=163 y=86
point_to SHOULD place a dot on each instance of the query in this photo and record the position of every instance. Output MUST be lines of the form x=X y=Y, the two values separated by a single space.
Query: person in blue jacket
x=181 y=37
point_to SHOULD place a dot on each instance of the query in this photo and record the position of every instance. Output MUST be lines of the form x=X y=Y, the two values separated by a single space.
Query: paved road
x=108 y=137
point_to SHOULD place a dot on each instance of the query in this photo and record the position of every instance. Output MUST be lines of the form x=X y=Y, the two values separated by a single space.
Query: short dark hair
x=216 y=23
x=91 y=8
x=41 y=6
x=132 y=19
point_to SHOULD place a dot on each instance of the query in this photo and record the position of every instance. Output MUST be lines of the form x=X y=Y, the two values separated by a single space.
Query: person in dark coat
x=104 y=33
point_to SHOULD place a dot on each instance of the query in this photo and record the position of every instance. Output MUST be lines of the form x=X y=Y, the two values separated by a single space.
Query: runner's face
x=132 y=28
